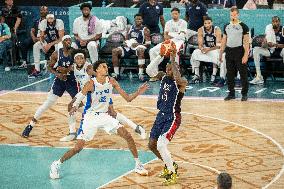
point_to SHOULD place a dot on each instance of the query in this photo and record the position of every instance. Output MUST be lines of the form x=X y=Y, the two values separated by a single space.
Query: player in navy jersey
x=138 y=40
x=168 y=120
x=60 y=61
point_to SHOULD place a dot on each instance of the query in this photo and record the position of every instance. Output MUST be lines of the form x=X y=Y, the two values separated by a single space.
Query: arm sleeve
x=60 y=24
x=245 y=29
x=225 y=29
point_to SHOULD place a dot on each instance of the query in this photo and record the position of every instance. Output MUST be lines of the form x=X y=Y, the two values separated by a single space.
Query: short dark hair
x=138 y=14
x=83 y=5
x=207 y=18
x=75 y=51
x=175 y=9
x=233 y=9
x=224 y=181
x=276 y=17
x=98 y=63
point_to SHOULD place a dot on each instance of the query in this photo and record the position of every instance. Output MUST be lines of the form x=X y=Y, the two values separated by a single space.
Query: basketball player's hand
x=134 y=45
x=72 y=111
x=143 y=88
x=244 y=59
x=113 y=82
x=61 y=76
x=47 y=47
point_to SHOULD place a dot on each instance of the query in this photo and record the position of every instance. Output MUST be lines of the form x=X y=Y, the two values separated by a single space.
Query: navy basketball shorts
x=165 y=124
x=59 y=87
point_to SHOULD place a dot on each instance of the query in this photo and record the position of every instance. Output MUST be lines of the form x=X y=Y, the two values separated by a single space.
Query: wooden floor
x=243 y=138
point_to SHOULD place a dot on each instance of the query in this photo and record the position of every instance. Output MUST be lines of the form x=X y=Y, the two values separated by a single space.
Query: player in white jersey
x=175 y=30
x=99 y=91
x=83 y=72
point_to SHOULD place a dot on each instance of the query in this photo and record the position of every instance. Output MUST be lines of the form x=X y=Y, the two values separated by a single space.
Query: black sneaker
x=229 y=97
x=27 y=131
x=244 y=98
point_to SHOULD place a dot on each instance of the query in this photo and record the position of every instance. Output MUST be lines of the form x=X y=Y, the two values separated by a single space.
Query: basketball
x=167 y=47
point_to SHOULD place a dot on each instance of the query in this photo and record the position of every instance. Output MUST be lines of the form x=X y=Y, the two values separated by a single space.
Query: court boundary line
x=280 y=100
x=25 y=86
x=252 y=129
x=223 y=120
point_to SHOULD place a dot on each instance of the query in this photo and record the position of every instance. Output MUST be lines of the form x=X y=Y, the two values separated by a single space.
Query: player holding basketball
x=172 y=89
x=175 y=30
x=83 y=72
x=59 y=61
x=99 y=91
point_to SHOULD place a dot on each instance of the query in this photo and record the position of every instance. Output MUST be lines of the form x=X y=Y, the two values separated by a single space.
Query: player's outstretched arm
x=128 y=97
x=181 y=81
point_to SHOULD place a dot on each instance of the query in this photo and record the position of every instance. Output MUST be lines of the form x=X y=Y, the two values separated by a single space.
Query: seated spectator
x=51 y=33
x=272 y=46
x=33 y=37
x=13 y=19
x=224 y=181
x=5 y=42
x=87 y=30
x=175 y=31
x=209 y=42
x=226 y=3
x=138 y=40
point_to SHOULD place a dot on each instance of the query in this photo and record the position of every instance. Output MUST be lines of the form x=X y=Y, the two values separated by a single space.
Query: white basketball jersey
x=82 y=76
x=101 y=96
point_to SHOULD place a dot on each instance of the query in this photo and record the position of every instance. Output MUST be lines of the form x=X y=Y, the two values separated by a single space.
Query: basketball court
x=244 y=139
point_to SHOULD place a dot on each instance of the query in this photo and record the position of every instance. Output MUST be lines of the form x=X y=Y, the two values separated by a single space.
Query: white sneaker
x=54 y=167
x=139 y=168
x=7 y=69
x=213 y=77
x=69 y=137
x=257 y=80
x=141 y=131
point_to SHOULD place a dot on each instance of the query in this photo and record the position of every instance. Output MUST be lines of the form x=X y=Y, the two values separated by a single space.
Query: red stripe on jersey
x=174 y=127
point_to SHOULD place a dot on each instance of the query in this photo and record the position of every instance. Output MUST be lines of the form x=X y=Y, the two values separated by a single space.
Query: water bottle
x=103 y=3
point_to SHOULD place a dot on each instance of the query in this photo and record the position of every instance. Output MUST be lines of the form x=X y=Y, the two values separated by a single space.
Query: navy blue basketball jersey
x=137 y=34
x=52 y=32
x=209 y=38
x=280 y=36
x=64 y=61
x=170 y=97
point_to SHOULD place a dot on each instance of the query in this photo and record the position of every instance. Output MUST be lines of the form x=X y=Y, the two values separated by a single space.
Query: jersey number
x=102 y=99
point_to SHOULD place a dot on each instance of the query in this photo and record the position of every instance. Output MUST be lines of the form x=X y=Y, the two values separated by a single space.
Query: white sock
x=214 y=71
x=137 y=161
x=125 y=121
x=116 y=70
x=162 y=147
x=58 y=162
x=196 y=71
x=37 y=66
x=141 y=71
x=72 y=124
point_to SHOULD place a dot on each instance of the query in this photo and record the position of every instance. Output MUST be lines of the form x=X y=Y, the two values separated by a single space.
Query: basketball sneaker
x=165 y=171
x=139 y=168
x=141 y=131
x=257 y=80
x=69 y=137
x=195 y=79
x=54 y=168
x=170 y=179
x=27 y=130
x=213 y=79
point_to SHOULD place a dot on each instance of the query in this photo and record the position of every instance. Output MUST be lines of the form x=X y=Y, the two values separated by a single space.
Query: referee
x=236 y=44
